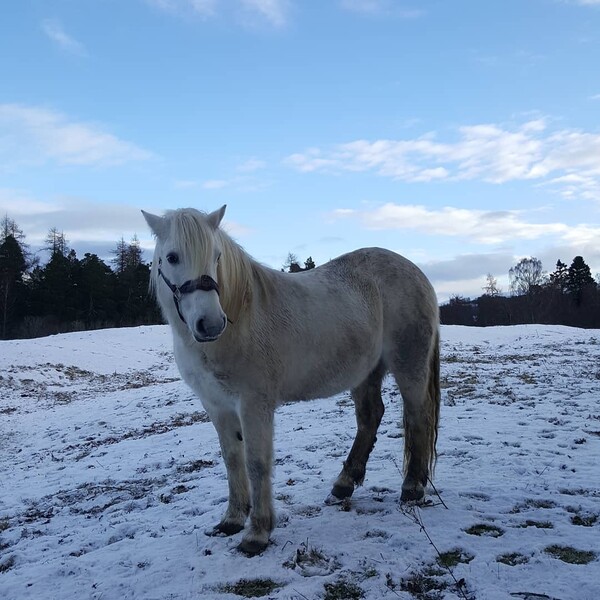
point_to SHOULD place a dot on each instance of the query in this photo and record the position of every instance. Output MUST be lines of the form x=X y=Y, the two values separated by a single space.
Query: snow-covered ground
x=110 y=474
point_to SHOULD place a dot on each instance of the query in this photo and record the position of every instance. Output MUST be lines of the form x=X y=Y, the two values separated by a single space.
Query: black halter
x=205 y=283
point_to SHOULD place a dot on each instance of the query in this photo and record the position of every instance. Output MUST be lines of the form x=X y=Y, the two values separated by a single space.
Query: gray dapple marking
x=258 y=337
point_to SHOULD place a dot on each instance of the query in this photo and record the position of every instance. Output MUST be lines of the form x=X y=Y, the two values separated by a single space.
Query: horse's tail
x=433 y=402
x=429 y=416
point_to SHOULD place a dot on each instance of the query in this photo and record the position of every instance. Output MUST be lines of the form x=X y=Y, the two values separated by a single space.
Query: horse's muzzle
x=205 y=331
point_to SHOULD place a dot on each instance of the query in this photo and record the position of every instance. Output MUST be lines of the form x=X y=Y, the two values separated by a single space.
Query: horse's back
x=408 y=301
x=401 y=283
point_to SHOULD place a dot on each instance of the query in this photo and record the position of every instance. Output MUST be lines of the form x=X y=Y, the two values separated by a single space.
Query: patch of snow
x=110 y=473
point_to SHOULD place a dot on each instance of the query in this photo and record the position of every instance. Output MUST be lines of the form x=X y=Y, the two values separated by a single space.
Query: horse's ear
x=215 y=218
x=156 y=223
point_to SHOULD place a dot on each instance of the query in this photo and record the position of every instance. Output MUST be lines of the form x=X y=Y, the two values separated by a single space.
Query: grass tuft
x=571 y=555
x=538 y=524
x=512 y=559
x=343 y=590
x=195 y=465
x=251 y=588
x=483 y=529
x=9 y=563
x=584 y=520
x=424 y=585
x=451 y=558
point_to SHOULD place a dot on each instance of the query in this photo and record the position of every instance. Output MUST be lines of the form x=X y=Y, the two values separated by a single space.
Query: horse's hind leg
x=418 y=380
x=416 y=443
x=369 y=411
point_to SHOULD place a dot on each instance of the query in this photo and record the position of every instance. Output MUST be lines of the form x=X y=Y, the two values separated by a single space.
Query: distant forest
x=567 y=296
x=69 y=293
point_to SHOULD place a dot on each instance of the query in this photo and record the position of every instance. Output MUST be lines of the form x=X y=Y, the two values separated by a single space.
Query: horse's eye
x=172 y=258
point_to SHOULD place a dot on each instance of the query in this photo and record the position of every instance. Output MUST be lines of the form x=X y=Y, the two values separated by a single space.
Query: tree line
x=292 y=264
x=69 y=293
x=567 y=296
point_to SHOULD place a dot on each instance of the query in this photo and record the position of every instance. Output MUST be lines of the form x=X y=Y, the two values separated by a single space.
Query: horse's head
x=184 y=270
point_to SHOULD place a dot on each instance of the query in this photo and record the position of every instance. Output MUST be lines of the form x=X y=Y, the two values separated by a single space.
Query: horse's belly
x=336 y=360
x=328 y=377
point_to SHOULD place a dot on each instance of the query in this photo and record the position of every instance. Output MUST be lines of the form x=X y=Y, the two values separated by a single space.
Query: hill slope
x=111 y=473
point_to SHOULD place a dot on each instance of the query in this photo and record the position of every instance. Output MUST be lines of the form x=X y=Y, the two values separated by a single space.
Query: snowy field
x=110 y=474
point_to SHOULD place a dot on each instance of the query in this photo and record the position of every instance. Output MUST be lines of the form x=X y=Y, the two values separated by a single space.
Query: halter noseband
x=204 y=283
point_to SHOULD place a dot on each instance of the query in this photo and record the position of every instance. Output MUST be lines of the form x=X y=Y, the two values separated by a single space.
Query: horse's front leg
x=257 y=429
x=228 y=426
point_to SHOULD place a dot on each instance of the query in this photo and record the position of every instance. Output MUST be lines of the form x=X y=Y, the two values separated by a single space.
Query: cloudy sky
x=464 y=135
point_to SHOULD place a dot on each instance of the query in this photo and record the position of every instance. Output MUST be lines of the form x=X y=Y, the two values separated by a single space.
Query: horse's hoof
x=412 y=495
x=252 y=547
x=342 y=491
x=224 y=529
x=331 y=500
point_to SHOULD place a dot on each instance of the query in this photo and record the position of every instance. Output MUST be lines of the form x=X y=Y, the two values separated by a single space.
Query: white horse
x=247 y=337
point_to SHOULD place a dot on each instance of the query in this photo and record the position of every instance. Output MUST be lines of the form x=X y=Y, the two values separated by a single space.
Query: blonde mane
x=237 y=272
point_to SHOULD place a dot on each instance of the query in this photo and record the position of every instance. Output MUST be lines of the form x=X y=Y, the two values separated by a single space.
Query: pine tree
x=309 y=263
x=9 y=227
x=121 y=256
x=134 y=304
x=96 y=283
x=579 y=277
x=291 y=264
x=134 y=253
x=559 y=279
x=56 y=242
x=58 y=287
x=12 y=267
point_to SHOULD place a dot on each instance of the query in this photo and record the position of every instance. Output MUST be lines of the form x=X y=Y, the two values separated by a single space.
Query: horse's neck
x=252 y=282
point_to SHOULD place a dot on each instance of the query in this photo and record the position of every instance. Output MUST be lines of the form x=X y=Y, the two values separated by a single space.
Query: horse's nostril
x=200 y=326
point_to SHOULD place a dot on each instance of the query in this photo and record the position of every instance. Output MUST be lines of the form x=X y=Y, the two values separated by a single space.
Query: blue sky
x=464 y=135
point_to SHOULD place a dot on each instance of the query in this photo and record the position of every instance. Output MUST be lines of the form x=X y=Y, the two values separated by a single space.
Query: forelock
x=193 y=236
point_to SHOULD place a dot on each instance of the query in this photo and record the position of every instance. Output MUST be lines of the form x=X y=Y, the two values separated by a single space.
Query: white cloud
x=204 y=7
x=574 y=186
x=481 y=226
x=54 y=30
x=185 y=184
x=381 y=7
x=79 y=218
x=215 y=184
x=274 y=11
x=201 y=8
x=251 y=165
x=32 y=135
x=486 y=152
x=17 y=203
x=89 y=226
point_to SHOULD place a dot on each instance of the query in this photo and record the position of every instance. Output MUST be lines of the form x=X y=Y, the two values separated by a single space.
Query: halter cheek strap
x=204 y=283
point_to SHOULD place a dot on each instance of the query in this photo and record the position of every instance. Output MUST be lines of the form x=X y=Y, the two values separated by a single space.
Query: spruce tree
x=579 y=277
